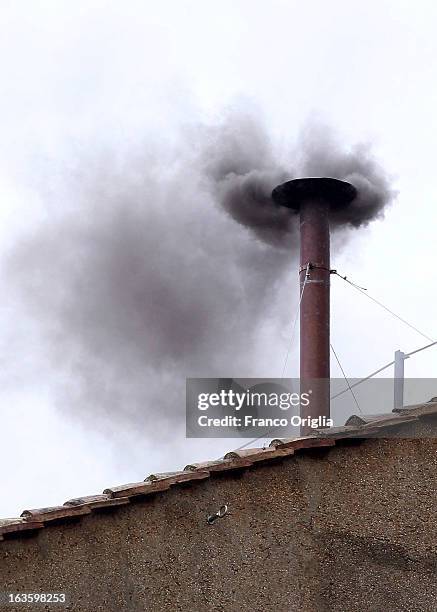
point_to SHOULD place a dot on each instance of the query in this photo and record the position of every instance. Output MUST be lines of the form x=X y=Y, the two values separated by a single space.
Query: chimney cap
x=338 y=194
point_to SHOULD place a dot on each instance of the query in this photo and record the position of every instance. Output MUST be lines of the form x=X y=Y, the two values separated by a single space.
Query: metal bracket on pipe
x=313 y=266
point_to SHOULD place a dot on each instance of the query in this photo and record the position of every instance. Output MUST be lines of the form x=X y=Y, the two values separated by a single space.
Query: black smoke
x=142 y=277
x=243 y=173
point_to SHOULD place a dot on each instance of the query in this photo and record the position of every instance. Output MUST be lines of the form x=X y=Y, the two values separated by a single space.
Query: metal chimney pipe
x=313 y=198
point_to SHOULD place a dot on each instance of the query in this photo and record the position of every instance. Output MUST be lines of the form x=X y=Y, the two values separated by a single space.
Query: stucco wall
x=350 y=528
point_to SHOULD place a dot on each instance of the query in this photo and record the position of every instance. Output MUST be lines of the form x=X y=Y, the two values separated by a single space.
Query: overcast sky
x=91 y=80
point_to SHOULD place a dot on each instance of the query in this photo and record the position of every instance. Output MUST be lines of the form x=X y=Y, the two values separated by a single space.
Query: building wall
x=349 y=528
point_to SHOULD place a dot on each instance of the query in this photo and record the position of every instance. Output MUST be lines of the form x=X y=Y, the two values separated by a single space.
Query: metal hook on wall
x=211 y=518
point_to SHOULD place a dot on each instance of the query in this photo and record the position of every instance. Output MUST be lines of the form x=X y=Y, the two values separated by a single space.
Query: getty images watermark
x=226 y=408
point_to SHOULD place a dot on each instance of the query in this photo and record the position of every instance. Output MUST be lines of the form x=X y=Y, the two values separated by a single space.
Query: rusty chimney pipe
x=313 y=198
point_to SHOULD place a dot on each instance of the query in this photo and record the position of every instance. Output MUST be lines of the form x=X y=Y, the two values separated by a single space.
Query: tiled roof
x=355 y=427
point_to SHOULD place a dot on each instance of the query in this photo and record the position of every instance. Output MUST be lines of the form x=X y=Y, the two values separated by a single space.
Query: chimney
x=313 y=198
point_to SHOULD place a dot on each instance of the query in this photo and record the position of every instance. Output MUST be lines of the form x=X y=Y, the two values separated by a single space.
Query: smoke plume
x=243 y=173
x=154 y=271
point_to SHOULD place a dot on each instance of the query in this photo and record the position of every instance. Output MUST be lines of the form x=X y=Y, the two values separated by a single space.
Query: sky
x=110 y=95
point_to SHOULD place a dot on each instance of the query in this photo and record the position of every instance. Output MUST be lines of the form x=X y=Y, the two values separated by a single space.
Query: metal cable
x=387 y=365
x=293 y=331
x=420 y=349
x=363 y=291
x=346 y=379
x=266 y=435
x=349 y=387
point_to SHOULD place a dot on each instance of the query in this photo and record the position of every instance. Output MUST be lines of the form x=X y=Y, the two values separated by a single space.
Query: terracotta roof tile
x=357 y=426
x=18 y=525
x=89 y=499
x=260 y=454
x=10 y=521
x=361 y=419
x=377 y=427
x=54 y=513
x=155 y=483
x=96 y=502
x=206 y=465
x=228 y=465
x=177 y=477
x=298 y=444
x=418 y=409
x=136 y=488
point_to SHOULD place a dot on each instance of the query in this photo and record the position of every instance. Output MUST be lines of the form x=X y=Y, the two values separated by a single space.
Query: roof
x=358 y=427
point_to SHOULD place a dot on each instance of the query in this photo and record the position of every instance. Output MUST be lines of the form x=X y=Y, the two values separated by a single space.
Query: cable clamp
x=345 y=278
x=312 y=266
